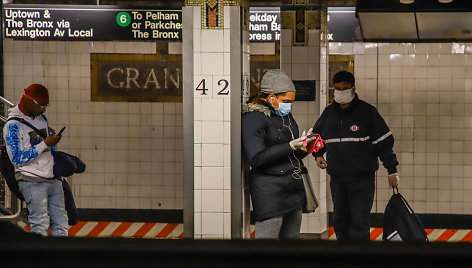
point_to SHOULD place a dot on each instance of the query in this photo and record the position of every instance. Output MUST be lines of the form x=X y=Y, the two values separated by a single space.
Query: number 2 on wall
x=223 y=92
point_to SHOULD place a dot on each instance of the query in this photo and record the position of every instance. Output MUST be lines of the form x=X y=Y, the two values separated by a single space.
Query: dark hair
x=258 y=98
x=344 y=76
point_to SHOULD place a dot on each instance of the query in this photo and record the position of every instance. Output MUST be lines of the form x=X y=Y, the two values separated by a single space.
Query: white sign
x=264 y=24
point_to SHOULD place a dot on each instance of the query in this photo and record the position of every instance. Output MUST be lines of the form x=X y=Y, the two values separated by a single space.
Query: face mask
x=343 y=97
x=284 y=108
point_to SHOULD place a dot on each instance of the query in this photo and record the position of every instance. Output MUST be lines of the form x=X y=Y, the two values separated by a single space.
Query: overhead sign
x=343 y=26
x=88 y=23
x=264 y=24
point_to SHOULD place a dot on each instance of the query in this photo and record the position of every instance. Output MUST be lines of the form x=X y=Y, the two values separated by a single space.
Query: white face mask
x=343 y=97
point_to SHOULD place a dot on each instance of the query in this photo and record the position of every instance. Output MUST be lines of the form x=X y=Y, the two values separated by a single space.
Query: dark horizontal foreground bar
x=28 y=250
x=430 y=221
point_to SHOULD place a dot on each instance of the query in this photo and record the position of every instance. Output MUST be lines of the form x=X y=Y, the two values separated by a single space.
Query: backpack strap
x=403 y=199
x=406 y=203
x=49 y=129
x=393 y=188
x=23 y=121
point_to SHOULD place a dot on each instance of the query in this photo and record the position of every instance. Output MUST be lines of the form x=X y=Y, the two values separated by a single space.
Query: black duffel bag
x=400 y=221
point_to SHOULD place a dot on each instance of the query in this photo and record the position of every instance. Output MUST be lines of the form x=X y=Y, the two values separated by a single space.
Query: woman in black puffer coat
x=274 y=150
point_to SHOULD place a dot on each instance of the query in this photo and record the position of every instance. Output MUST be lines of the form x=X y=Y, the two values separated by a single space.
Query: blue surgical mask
x=284 y=108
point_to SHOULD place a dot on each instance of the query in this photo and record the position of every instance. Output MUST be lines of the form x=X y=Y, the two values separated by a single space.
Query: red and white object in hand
x=315 y=145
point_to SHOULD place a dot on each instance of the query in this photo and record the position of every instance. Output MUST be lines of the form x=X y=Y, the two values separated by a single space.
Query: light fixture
x=444 y=1
x=407 y=1
x=422 y=21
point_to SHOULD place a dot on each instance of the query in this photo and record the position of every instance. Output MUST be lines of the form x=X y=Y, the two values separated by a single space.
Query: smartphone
x=60 y=132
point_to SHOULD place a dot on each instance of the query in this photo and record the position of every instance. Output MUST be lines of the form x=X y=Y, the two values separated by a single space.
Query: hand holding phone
x=315 y=144
x=60 y=132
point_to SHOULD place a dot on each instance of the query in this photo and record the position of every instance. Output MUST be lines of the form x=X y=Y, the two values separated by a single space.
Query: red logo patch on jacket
x=354 y=128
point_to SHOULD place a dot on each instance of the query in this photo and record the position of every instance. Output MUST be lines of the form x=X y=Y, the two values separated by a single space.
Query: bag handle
x=23 y=121
x=403 y=199
x=393 y=189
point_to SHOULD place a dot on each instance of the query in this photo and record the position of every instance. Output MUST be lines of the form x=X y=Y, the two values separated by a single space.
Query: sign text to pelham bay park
x=89 y=23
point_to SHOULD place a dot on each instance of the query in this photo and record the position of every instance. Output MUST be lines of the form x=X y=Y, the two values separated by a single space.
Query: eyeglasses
x=40 y=105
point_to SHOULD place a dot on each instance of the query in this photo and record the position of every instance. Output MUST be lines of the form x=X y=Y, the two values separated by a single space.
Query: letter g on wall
x=109 y=80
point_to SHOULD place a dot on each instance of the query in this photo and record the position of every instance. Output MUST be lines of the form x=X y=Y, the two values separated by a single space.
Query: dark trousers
x=353 y=199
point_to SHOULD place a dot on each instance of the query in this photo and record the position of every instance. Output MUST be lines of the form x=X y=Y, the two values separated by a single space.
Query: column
x=216 y=68
x=303 y=56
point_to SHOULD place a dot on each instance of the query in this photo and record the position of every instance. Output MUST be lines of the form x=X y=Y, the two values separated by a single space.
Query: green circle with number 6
x=123 y=19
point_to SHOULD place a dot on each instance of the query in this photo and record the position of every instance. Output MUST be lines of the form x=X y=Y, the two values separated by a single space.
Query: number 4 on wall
x=202 y=87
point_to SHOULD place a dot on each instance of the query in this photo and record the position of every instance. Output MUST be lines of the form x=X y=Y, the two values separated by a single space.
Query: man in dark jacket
x=356 y=135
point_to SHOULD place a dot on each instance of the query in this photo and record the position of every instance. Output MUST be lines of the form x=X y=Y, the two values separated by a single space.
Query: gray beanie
x=275 y=81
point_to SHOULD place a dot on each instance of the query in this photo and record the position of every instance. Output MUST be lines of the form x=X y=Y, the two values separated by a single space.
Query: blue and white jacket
x=27 y=151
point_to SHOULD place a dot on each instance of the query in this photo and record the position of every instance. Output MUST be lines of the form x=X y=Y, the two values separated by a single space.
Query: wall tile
x=212 y=40
x=227 y=201
x=300 y=72
x=212 y=155
x=227 y=226
x=208 y=201
x=212 y=132
x=212 y=109
x=299 y=54
x=285 y=37
x=212 y=223
x=212 y=63
x=212 y=178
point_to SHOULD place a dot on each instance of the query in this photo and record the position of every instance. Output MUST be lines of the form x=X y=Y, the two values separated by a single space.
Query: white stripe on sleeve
x=382 y=138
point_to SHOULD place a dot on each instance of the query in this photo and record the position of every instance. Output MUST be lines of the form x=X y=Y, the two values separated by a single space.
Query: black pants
x=353 y=198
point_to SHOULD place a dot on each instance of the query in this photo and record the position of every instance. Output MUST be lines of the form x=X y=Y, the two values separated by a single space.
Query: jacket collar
x=251 y=107
x=263 y=107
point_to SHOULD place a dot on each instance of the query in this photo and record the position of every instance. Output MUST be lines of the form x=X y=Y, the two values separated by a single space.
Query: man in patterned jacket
x=31 y=156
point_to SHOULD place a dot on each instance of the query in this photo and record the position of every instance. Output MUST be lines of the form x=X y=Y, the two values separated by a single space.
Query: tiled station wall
x=424 y=92
x=133 y=151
